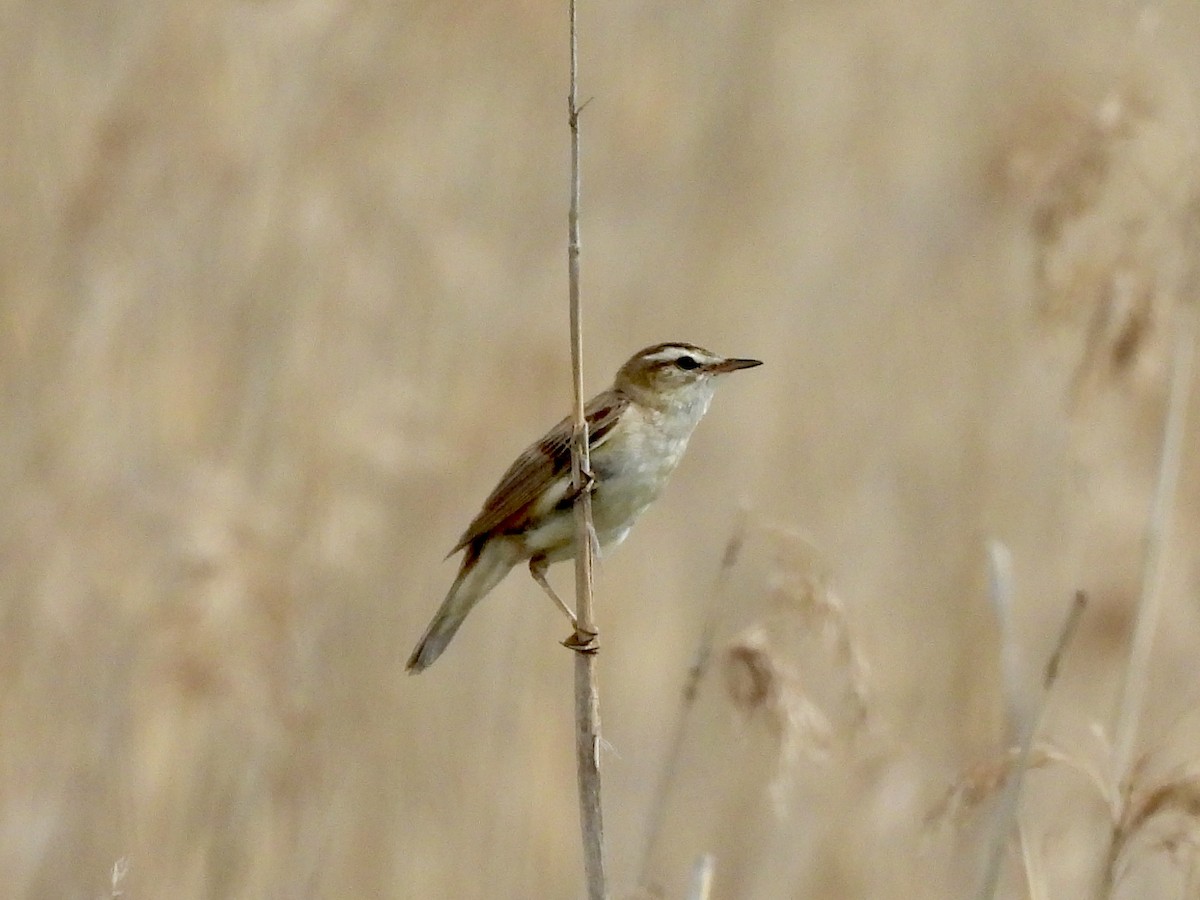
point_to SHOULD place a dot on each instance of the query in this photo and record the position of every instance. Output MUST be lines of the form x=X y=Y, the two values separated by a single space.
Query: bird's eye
x=686 y=362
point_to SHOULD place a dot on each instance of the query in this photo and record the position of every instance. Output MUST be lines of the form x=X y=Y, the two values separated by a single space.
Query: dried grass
x=280 y=290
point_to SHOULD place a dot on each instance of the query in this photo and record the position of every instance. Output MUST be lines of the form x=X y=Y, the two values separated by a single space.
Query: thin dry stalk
x=587 y=692
x=1000 y=593
x=1173 y=803
x=702 y=877
x=1006 y=814
x=691 y=687
x=1064 y=638
x=1035 y=881
x=1137 y=673
x=119 y=870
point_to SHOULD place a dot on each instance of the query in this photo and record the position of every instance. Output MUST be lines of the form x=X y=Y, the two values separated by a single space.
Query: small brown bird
x=637 y=432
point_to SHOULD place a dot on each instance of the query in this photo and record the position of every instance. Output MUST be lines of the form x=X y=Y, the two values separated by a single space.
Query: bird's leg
x=537 y=568
x=580 y=641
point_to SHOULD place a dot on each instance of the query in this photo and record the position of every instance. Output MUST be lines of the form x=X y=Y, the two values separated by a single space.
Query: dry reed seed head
x=750 y=675
x=762 y=683
x=1181 y=849
x=984 y=780
x=223 y=635
x=1130 y=310
x=800 y=582
x=1046 y=143
x=804 y=592
x=1059 y=158
x=806 y=619
x=1124 y=334
x=1163 y=817
x=1178 y=796
x=979 y=784
x=1113 y=238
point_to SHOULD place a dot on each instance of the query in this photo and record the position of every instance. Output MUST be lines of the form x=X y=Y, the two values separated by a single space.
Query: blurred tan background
x=282 y=292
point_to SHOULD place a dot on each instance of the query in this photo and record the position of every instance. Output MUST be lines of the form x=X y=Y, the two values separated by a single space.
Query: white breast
x=633 y=466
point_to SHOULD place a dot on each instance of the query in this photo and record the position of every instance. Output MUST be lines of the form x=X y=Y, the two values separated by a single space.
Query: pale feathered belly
x=626 y=484
x=630 y=474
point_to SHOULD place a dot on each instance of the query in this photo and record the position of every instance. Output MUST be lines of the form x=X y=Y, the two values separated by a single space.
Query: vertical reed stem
x=587 y=695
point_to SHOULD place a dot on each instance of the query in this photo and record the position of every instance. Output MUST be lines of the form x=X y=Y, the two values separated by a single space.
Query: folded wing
x=508 y=507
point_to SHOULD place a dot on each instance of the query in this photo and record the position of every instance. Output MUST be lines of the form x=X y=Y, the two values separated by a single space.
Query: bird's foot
x=574 y=493
x=583 y=641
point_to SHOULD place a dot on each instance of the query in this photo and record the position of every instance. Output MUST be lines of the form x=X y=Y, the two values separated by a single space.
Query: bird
x=638 y=430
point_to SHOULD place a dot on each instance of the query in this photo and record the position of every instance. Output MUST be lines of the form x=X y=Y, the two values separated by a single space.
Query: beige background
x=282 y=292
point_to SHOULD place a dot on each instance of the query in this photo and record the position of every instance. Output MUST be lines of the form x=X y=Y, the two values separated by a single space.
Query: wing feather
x=508 y=507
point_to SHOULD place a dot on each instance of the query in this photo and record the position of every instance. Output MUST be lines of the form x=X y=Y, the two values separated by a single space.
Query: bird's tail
x=481 y=571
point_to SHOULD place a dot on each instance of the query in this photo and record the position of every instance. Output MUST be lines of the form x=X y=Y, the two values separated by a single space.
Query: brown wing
x=539 y=467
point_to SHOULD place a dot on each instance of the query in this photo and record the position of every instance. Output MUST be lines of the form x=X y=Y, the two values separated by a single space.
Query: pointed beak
x=732 y=365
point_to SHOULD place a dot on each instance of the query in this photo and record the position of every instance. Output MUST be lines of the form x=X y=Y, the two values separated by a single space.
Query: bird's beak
x=732 y=365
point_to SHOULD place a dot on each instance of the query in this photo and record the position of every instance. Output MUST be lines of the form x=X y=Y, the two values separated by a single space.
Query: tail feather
x=481 y=570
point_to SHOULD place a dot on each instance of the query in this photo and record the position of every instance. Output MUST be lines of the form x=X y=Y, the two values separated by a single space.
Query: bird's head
x=675 y=373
